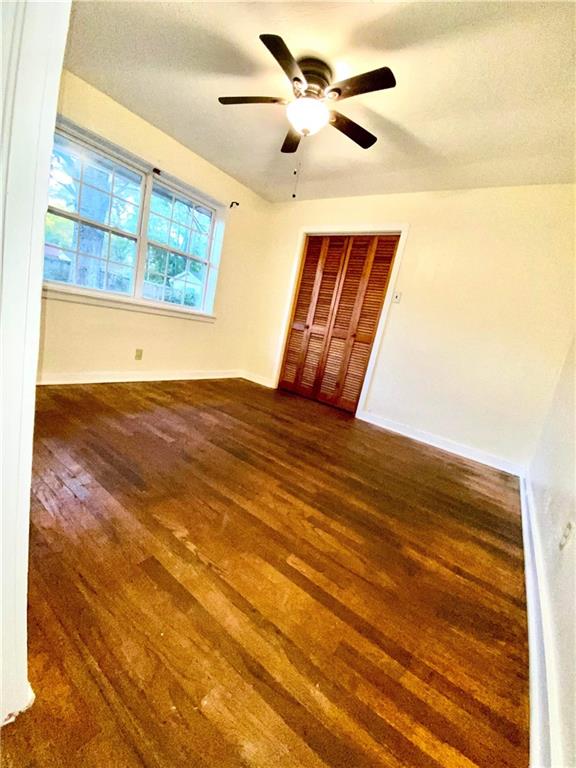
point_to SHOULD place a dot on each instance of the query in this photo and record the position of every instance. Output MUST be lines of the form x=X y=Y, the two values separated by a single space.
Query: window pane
x=124 y=215
x=58 y=264
x=93 y=241
x=161 y=202
x=95 y=205
x=122 y=249
x=119 y=278
x=174 y=292
x=156 y=262
x=199 y=246
x=91 y=272
x=203 y=220
x=179 y=237
x=182 y=213
x=98 y=173
x=194 y=284
x=61 y=231
x=63 y=192
x=127 y=185
x=196 y=271
x=65 y=160
x=153 y=291
x=158 y=228
x=176 y=265
x=193 y=295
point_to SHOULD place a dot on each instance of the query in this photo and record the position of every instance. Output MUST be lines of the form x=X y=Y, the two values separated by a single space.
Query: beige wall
x=553 y=505
x=87 y=343
x=470 y=355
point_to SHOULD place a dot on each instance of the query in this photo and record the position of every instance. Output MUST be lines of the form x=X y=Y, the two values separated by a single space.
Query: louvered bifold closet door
x=312 y=312
x=358 y=305
x=370 y=302
x=340 y=294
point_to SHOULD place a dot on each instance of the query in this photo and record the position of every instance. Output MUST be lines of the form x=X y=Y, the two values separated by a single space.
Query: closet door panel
x=353 y=279
x=376 y=286
x=297 y=341
x=313 y=309
x=368 y=311
x=320 y=313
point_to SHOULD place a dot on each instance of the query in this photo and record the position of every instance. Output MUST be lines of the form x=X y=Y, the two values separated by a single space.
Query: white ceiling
x=485 y=93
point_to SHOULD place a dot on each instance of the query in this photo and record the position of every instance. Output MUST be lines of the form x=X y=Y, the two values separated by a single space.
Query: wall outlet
x=566 y=535
x=138 y=354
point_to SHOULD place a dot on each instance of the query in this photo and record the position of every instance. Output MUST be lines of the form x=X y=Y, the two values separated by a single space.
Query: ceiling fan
x=314 y=91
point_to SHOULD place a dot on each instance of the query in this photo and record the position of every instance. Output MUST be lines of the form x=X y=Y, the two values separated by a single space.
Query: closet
x=343 y=281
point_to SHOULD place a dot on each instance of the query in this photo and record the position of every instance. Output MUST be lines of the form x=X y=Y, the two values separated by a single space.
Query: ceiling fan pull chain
x=296 y=174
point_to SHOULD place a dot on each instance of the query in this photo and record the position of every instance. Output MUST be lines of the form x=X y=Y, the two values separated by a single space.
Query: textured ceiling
x=485 y=93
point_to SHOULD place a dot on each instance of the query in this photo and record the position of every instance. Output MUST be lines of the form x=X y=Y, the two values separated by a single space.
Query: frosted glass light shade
x=307 y=116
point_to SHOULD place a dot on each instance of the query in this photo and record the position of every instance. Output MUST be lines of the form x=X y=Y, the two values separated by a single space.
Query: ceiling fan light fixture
x=307 y=115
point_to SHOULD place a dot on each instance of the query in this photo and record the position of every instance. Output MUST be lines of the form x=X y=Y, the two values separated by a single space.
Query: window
x=178 y=248
x=116 y=229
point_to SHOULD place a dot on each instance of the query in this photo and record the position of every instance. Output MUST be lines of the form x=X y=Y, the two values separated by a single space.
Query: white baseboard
x=256 y=378
x=464 y=451
x=540 y=741
x=112 y=377
x=30 y=697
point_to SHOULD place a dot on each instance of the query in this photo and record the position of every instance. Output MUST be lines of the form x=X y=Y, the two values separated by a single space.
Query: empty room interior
x=288 y=331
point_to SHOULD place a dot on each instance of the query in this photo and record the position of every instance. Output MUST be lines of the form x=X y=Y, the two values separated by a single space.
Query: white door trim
x=34 y=36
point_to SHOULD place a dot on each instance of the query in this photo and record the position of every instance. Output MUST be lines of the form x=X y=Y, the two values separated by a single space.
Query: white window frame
x=56 y=290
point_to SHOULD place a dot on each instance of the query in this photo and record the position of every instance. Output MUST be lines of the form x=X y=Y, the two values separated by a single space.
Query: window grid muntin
x=171 y=252
x=77 y=252
x=148 y=178
x=195 y=205
x=84 y=159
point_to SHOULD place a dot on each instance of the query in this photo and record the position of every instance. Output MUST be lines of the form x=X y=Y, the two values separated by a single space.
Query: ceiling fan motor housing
x=318 y=76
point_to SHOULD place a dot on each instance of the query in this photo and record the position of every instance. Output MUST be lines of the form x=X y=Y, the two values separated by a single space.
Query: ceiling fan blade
x=377 y=80
x=291 y=141
x=354 y=131
x=251 y=100
x=279 y=50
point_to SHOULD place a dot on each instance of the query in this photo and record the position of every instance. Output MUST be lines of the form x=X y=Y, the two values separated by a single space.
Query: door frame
x=303 y=233
x=34 y=39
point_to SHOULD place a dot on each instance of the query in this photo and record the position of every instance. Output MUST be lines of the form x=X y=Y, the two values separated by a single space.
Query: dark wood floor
x=223 y=575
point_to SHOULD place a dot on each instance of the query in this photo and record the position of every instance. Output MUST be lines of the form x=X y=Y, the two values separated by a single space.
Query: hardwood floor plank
x=223 y=575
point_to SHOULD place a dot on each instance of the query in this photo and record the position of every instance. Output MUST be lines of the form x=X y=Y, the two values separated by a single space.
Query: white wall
x=552 y=505
x=87 y=343
x=471 y=353
x=33 y=40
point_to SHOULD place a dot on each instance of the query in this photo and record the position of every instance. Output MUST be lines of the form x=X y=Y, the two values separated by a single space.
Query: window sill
x=109 y=301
